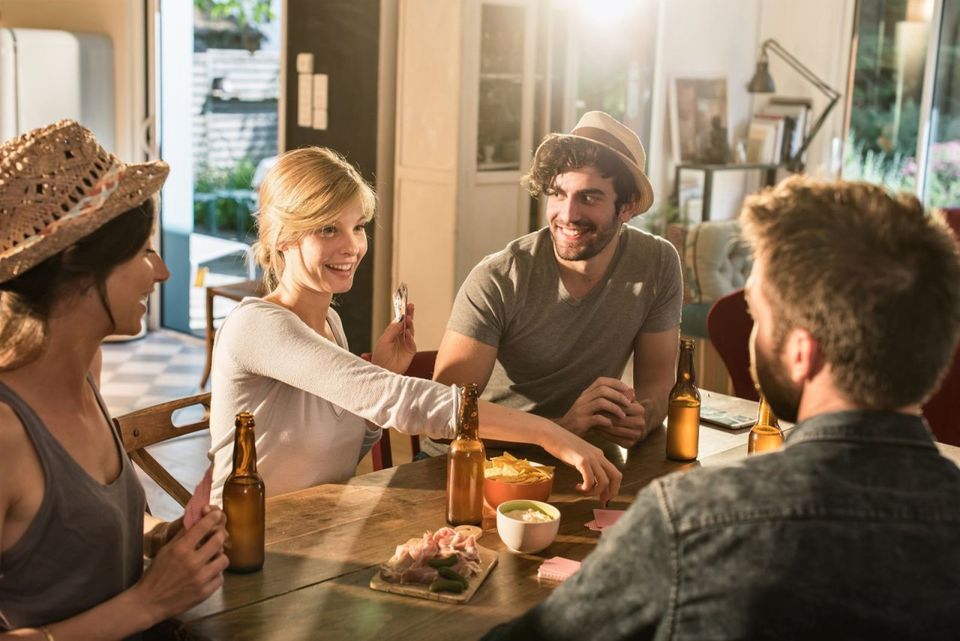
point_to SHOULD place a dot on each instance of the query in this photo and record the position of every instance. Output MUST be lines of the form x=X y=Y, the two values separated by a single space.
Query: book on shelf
x=796 y=112
x=762 y=138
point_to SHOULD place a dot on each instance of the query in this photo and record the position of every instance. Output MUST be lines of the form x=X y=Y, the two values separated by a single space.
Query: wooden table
x=325 y=543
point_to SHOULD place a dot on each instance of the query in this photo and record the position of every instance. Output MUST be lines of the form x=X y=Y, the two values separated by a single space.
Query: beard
x=593 y=239
x=768 y=375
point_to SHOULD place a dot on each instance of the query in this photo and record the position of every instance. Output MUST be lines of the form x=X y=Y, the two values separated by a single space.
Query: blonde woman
x=284 y=357
x=76 y=265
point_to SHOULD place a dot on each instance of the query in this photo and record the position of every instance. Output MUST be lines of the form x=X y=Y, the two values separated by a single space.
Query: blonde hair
x=305 y=190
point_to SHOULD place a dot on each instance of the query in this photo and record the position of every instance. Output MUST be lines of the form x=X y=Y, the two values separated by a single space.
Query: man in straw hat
x=548 y=324
x=76 y=265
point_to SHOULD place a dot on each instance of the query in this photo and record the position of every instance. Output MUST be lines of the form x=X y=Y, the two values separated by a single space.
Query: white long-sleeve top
x=309 y=398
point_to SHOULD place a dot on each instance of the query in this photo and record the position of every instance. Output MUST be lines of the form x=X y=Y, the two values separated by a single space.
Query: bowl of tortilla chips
x=507 y=478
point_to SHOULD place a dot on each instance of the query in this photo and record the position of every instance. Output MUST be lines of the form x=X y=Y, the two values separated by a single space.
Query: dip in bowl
x=527 y=526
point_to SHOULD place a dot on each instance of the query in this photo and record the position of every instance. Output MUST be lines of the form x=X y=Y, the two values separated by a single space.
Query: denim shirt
x=851 y=531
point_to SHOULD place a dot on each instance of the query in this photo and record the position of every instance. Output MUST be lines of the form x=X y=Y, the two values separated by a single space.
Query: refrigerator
x=46 y=75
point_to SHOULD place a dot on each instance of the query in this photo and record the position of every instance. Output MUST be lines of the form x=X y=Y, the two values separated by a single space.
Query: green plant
x=246 y=13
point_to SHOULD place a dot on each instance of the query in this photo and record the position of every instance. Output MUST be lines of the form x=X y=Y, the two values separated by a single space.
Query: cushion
x=719 y=259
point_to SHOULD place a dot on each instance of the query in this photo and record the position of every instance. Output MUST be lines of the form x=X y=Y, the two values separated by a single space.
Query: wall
x=703 y=38
x=343 y=36
x=122 y=21
x=818 y=33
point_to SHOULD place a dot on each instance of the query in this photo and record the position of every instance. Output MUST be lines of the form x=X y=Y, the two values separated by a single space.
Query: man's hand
x=629 y=430
x=603 y=404
x=396 y=348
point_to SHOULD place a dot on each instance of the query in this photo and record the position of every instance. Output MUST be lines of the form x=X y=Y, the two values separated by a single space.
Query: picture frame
x=700 y=120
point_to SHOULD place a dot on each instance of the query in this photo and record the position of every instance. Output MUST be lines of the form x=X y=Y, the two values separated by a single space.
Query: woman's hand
x=396 y=347
x=600 y=476
x=188 y=569
x=159 y=535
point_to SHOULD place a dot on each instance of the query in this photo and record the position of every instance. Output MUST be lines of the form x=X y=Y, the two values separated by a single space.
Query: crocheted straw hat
x=604 y=130
x=57 y=185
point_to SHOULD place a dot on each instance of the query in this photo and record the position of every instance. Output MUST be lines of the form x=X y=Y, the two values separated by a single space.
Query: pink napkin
x=604 y=519
x=558 y=569
x=201 y=497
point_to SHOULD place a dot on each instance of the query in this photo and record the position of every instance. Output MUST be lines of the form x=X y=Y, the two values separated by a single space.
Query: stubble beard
x=604 y=236
x=781 y=393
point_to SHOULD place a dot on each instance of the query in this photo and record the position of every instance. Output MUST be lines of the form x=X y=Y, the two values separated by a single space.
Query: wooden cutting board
x=488 y=559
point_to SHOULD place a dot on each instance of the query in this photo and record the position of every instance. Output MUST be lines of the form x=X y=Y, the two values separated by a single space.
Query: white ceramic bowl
x=527 y=537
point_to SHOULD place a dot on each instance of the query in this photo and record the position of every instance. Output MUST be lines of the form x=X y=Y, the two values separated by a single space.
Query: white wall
x=818 y=33
x=702 y=38
x=122 y=21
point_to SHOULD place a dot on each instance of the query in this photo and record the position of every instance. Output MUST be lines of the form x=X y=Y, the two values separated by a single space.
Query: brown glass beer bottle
x=766 y=434
x=243 y=501
x=465 y=463
x=683 y=409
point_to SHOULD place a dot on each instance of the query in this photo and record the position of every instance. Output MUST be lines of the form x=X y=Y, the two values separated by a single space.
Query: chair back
x=151 y=425
x=941 y=410
x=421 y=366
x=729 y=326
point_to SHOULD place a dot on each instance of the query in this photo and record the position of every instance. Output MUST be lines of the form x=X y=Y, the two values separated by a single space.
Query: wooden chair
x=729 y=325
x=150 y=425
x=421 y=366
x=233 y=291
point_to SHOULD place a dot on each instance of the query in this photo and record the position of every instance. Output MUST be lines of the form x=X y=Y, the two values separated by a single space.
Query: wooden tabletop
x=325 y=543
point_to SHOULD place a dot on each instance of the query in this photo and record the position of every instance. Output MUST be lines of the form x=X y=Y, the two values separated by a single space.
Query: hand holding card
x=193 y=510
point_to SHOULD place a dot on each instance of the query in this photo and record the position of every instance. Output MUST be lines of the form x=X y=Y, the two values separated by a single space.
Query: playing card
x=193 y=510
x=606 y=518
x=400 y=302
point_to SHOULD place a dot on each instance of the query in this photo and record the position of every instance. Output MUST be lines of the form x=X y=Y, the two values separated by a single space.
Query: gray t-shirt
x=550 y=345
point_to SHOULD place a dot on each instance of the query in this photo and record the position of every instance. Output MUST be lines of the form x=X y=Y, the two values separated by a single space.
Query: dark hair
x=27 y=300
x=559 y=154
x=872 y=278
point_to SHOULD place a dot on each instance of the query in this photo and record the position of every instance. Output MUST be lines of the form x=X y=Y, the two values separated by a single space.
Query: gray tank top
x=85 y=544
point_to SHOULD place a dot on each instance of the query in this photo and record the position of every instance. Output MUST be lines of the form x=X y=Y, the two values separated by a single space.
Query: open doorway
x=219 y=84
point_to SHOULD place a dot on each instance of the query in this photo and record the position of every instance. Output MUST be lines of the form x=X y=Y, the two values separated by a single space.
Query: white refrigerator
x=46 y=75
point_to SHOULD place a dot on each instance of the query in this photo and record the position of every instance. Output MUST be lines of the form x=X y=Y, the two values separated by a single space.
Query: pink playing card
x=593 y=526
x=201 y=497
x=558 y=569
x=606 y=518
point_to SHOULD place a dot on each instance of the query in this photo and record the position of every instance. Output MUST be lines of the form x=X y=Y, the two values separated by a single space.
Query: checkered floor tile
x=159 y=367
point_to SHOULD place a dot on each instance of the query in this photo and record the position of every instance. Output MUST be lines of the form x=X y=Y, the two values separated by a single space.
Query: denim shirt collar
x=863 y=426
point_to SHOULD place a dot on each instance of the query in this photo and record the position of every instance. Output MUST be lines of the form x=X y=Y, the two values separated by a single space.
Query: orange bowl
x=496 y=492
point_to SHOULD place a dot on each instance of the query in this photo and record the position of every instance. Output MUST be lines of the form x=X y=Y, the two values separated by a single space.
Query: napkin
x=193 y=510
x=558 y=569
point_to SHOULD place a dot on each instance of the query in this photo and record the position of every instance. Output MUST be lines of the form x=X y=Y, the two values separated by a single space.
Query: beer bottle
x=766 y=434
x=243 y=501
x=465 y=463
x=683 y=409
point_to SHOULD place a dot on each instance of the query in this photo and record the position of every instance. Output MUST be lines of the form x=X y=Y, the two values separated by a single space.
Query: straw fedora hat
x=603 y=129
x=57 y=185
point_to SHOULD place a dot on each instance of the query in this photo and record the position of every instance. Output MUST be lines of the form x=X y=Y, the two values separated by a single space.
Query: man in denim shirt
x=852 y=530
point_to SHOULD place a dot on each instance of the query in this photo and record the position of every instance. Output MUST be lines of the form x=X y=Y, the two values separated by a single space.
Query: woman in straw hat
x=76 y=265
x=284 y=357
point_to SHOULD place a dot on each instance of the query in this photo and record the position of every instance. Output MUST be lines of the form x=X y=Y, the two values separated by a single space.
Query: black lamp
x=762 y=82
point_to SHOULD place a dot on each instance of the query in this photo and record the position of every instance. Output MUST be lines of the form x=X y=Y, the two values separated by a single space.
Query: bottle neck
x=468 y=416
x=765 y=415
x=685 y=370
x=245 y=452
